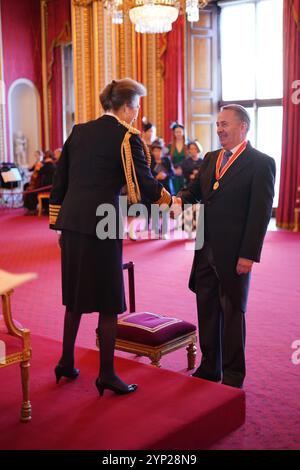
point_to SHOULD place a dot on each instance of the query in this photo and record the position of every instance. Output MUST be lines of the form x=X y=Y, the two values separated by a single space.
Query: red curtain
x=172 y=44
x=59 y=33
x=290 y=164
x=56 y=126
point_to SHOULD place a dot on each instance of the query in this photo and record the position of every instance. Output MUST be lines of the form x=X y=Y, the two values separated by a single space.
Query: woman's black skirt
x=92 y=274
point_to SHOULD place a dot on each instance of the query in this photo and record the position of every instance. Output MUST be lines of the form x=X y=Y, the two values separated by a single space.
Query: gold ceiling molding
x=83 y=3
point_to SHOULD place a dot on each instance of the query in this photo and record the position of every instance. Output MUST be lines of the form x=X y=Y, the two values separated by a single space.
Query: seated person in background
x=191 y=165
x=46 y=175
x=57 y=154
x=30 y=199
x=38 y=157
x=48 y=169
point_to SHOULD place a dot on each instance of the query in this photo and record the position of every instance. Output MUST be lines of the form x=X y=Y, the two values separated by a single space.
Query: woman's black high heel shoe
x=69 y=372
x=101 y=386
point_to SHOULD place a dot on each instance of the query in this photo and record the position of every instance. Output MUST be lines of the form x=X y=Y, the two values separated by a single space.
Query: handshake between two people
x=176 y=207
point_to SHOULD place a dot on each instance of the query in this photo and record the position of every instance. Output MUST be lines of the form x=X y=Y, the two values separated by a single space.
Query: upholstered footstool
x=153 y=335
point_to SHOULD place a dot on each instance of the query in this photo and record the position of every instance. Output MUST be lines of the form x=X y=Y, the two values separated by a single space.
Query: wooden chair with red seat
x=153 y=335
x=41 y=197
x=15 y=347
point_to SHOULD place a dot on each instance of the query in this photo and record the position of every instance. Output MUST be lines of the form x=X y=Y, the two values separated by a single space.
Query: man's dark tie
x=226 y=157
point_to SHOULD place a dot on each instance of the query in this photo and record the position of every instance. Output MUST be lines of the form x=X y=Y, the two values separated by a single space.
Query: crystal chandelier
x=153 y=16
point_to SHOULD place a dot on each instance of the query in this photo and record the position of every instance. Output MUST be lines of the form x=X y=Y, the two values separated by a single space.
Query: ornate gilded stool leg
x=26 y=405
x=191 y=355
x=155 y=359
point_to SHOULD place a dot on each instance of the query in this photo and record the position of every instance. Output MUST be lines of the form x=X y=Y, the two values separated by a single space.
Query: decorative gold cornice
x=83 y=3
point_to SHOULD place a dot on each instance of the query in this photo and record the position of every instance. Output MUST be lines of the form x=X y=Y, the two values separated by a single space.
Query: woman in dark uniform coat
x=98 y=158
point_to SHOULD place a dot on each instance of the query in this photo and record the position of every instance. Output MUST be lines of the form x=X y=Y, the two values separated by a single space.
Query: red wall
x=21 y=34
x=174 y=77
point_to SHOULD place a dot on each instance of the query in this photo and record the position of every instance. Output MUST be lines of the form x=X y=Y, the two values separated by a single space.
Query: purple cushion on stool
x=151 y=328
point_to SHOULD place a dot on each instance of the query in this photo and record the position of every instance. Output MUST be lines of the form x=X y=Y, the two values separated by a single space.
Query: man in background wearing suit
x=236 y=186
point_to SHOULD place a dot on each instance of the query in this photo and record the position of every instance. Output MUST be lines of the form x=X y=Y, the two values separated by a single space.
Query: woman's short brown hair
x=120 y=92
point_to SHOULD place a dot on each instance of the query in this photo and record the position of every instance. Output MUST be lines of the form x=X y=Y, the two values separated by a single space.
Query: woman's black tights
x=107 y=331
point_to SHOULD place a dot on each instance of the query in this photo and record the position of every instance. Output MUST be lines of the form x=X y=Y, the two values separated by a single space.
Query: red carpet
x=168 y=411
x=272 y=384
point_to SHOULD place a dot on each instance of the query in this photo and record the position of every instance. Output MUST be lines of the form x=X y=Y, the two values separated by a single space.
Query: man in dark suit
x=236 y=186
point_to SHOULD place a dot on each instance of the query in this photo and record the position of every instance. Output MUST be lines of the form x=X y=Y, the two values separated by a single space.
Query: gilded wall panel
x=103 y=51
